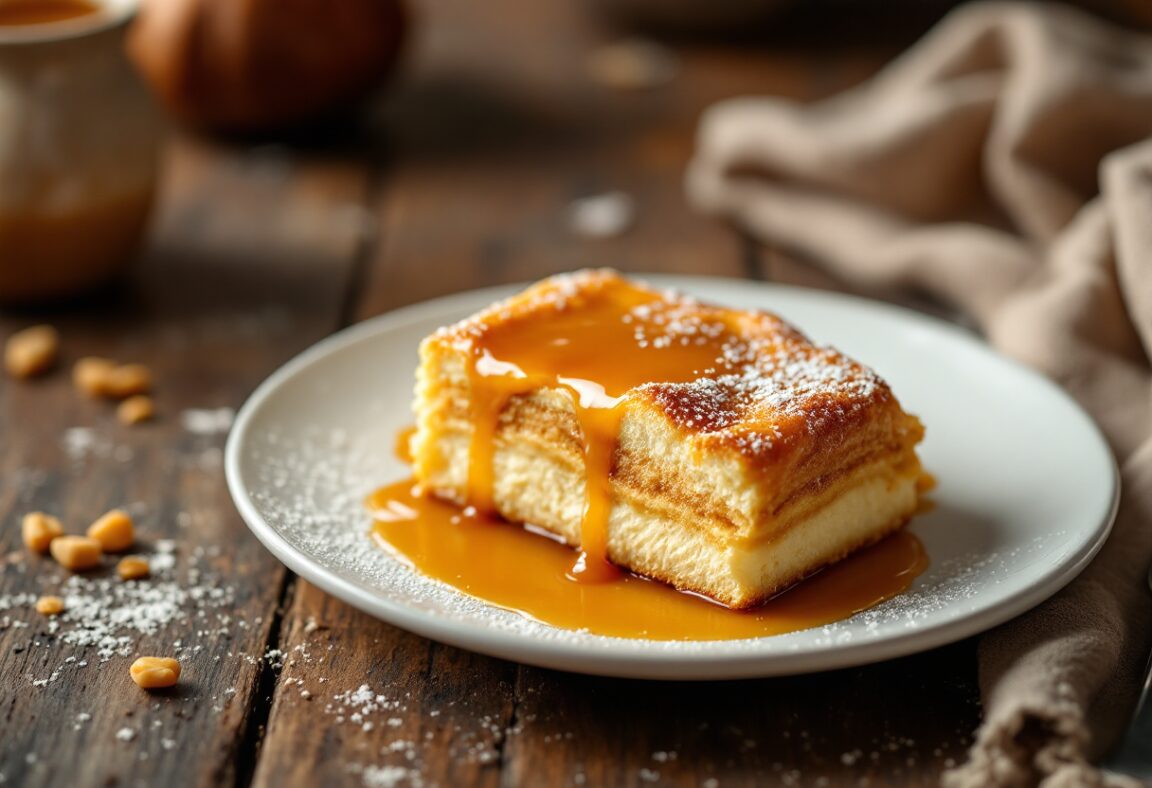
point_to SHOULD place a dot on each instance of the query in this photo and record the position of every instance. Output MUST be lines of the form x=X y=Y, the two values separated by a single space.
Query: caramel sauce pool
x=39 y=12
x=596 y=354
x=528 y=573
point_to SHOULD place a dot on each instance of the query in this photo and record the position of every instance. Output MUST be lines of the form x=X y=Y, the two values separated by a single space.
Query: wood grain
x=438 y=714
x=500 y=128
x=250 y=263
x=464 y=180
x=495 y=131
x=843 y=727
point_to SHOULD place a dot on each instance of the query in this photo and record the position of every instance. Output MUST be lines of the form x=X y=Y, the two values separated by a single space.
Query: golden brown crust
x=777 y=397
x=776 y=432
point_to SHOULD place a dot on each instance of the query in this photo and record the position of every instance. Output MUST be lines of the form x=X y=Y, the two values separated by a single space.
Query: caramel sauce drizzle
x=597 y=346
x=529 y=573
x=402 y=447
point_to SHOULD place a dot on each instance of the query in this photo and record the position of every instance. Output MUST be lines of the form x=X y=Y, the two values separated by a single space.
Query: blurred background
x=207 y=187
x=419 y=146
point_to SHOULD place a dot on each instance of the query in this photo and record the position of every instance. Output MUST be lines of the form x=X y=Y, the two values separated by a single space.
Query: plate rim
x=621 y=657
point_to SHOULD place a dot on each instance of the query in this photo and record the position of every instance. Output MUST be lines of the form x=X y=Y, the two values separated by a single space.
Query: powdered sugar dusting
x=82 y=444
x=764 y=385
x=387 y=776
x=309 y=452
x=207 y=421
x=105 y=617
x=309 y=483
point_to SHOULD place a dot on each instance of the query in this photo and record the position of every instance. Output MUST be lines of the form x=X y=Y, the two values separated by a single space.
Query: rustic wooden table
x=260 y=251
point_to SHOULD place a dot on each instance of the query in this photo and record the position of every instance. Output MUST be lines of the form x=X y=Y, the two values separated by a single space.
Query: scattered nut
x=126 y=380
x=136 y=409
x=32 y=351
x=90 y=374
x=49 y=605
x=133 y=567
x=39 y=530
x=76 y=553
x=114 y=531
x=155 y=672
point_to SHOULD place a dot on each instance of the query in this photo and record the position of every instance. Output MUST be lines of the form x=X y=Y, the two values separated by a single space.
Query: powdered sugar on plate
x=311 y=483
x=1010 y=527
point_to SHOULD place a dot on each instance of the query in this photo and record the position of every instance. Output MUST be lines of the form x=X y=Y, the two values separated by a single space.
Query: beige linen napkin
x=999 y=166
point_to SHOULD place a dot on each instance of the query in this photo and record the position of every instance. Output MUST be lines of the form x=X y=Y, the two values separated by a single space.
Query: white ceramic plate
x=1027 y=489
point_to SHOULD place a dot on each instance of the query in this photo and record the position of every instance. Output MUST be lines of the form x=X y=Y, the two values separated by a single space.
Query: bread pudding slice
x=714 y=449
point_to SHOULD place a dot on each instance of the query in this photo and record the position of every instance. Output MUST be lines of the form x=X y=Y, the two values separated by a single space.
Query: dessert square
x=714 y=449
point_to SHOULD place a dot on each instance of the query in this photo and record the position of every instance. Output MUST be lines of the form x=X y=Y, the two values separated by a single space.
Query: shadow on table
x=905 y=718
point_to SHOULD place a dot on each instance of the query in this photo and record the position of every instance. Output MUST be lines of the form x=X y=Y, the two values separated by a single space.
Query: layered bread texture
x=735 y=485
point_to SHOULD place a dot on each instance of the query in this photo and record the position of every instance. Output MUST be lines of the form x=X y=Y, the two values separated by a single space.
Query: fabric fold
x=1004 y=166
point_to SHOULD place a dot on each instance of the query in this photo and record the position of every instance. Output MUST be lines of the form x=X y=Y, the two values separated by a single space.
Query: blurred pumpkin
x=263 y=65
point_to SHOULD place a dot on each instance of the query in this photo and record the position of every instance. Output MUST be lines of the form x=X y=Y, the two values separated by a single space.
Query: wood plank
x=249 y=263
x=494 y=131
x=361 y=702
x=848 y=727
x=499 y=128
